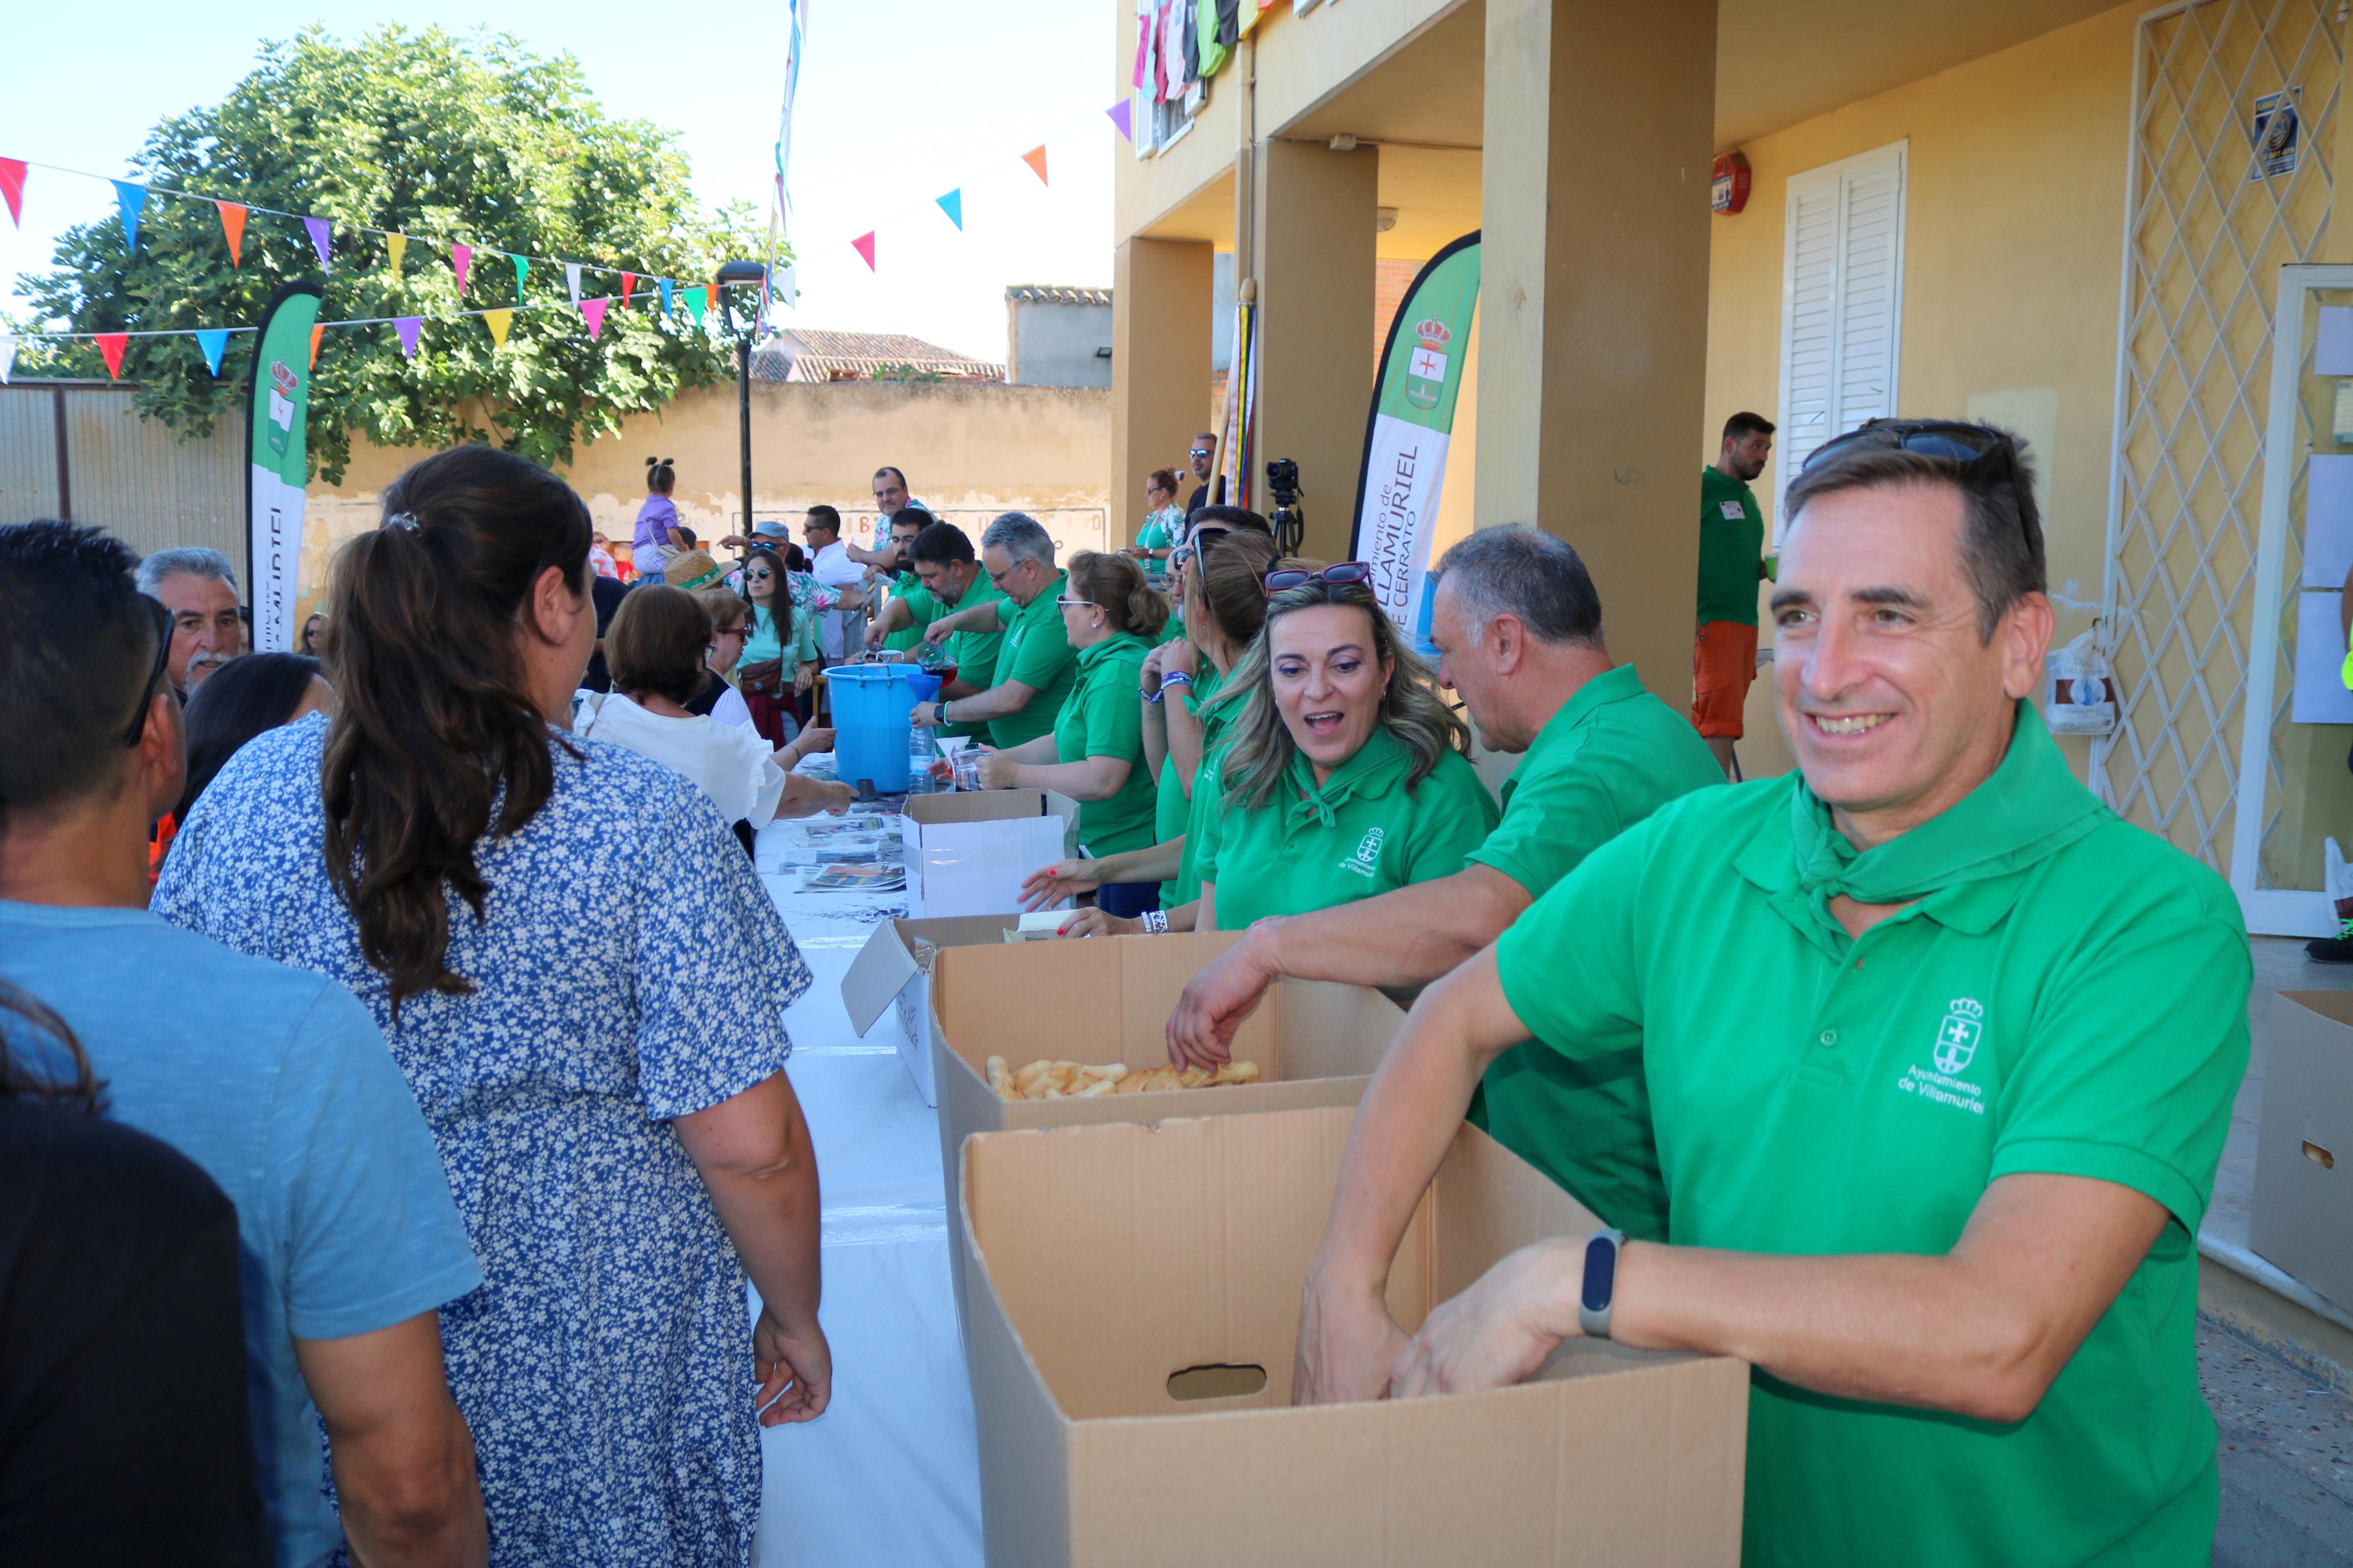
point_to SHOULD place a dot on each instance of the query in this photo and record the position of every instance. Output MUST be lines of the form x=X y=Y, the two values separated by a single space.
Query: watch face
x=1601 y=1273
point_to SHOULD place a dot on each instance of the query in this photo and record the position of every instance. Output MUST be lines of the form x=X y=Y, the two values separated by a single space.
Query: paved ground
x=2286 y=1458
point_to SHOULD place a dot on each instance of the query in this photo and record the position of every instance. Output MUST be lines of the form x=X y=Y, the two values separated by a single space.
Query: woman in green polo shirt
x=1343 y=775
x=1095 y=755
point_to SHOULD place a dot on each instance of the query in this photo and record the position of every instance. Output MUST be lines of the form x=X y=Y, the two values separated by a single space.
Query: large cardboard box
x=1108 y=999
x=1134 y=1309
x=894 y=967
x=967 y=853
x=2302 y=1213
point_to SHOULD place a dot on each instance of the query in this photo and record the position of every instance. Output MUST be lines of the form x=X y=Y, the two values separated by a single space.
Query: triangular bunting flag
x=695 y=298
x=462 y=257
x=1123 y=116
x=214 y=341
x=523 y=271
x=628 y=281
x=595 y=311
x=321 y=238
x=572 y=280
x=232 y=215
x=395 y=245
x=12 y=187
x=1036 y=159
x=130 y=198
x=407 y=326
x=953 y=204
x=7 y=356
x=316 y=333
x=111 y=345
x=664 y=285
x=498 y=321
x=864 y=246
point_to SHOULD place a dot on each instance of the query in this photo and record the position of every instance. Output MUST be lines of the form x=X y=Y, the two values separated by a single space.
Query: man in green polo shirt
x=1941 y=1054
x=948 y=576
x=1518 y=628
x=1730 y=564
x=911 y=609
x=1037 y=666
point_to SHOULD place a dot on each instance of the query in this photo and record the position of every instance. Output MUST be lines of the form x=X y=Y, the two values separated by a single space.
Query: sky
x=899 y=101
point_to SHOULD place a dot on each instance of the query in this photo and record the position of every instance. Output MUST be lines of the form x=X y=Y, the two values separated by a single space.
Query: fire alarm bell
x=1729 y=193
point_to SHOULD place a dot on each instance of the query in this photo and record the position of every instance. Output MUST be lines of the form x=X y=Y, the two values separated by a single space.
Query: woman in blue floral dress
x=583 y=981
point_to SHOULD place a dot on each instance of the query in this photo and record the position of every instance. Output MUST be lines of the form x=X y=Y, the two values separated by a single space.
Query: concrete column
x=1593 y=300
x=1312 y=220
x=1161 y=290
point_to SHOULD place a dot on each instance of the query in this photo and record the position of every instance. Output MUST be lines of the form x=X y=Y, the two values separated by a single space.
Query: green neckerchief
x=1377 y=765
x=2028 y=809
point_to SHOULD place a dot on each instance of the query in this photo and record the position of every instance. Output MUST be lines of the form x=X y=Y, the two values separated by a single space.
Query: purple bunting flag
x=321 y=238
x=407 y=326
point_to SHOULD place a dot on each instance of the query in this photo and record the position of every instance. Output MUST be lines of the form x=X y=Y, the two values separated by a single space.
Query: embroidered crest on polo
x=1958 y=1036
x=1368 y=853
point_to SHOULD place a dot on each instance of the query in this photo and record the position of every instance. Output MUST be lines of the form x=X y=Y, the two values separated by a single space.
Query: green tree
x=446 y=139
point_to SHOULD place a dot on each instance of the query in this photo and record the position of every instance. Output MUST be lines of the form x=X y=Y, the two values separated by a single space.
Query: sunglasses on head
x=1931 y=438
x=1340 y=572
x=163 y=657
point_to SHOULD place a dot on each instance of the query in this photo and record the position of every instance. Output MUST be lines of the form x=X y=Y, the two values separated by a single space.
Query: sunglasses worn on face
x=1203 y=452
x=1339 y=572
x=759 y=574
x=162 y=656
x=1931 y=438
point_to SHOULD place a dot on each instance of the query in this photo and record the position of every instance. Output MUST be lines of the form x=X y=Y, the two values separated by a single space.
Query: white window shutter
x=1841 y=302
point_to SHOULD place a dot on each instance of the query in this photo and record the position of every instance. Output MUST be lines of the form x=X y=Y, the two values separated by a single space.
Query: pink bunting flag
x=595 y=311
x=407 y=326
x=110 y=346
x=461 y=257
x=12 y=185
x=321 y=238
x=864 y=246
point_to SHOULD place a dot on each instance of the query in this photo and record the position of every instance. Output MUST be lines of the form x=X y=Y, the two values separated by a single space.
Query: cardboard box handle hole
x=1217 y=1382
x=2318 y=1155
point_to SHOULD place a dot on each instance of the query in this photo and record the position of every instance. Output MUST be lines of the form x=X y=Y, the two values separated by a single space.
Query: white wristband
x=1155 y=922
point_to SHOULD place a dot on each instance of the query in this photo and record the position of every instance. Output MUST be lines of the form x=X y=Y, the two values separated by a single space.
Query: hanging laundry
x=1230 y=20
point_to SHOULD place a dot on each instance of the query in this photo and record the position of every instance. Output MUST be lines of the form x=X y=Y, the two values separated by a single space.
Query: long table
x=889 y=1475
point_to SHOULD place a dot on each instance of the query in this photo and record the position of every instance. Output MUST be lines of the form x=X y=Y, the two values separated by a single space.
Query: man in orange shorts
x=1730 y=564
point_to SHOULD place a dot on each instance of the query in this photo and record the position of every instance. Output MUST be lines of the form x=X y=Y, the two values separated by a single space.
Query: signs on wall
x=280 y=467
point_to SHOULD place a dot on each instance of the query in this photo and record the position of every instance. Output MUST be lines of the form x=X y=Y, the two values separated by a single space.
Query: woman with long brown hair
x=583 y=982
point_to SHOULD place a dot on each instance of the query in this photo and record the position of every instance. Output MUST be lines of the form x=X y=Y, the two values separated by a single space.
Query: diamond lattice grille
x=2203 y=245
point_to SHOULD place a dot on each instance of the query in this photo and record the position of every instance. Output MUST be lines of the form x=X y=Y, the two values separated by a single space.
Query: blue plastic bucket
x=871 y=734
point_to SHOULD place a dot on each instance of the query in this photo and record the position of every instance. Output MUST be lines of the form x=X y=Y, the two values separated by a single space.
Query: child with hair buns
x=658 y=534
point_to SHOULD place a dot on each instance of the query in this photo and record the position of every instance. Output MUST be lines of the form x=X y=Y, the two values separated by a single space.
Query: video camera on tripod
x=1290 y=519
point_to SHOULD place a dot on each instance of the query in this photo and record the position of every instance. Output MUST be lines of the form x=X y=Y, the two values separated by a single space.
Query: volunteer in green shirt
x=1518 y=628
x=1730 y=564
x=1162 y=529
x=950 y=576
x=1941 y=1055
x=911 y=609
x=1344 y=774
x=1095 y=755
x=1037 y=666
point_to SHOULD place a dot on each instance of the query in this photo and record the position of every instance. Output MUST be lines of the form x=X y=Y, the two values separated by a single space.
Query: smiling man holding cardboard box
x=1940 y=1052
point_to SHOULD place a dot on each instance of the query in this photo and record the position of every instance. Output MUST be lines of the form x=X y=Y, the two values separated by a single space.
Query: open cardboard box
x=887 y=970
x=1107 y=999
x=1134 y=1298
x=968 y=852
x=2301 y=1215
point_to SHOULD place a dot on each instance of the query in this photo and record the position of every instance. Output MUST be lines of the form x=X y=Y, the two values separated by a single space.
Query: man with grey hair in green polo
x=1035 y=666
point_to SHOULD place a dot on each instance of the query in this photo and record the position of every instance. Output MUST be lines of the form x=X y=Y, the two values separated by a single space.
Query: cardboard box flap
x=887 y=963
x=1029 y=1000
x=2336 y=1007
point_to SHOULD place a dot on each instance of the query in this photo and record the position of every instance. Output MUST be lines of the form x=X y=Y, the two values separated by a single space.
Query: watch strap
x=1598 y=1284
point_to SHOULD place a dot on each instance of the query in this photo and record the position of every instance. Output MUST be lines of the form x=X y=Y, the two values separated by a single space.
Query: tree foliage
x=469 y=139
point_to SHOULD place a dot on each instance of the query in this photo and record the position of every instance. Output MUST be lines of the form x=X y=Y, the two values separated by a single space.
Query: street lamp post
x=735 y=275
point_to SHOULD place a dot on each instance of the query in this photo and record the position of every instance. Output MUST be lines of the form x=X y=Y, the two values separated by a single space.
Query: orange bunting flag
x=232 y=225
x=111 y=345
x=1036 y=159
x=711 y=296
x=316 y=333
x=498 y=321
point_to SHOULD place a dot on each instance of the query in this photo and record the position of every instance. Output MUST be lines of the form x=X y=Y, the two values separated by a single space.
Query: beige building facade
x=2067 y=217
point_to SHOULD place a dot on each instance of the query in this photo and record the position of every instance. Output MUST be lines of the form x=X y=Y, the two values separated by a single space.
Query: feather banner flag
x=316 y=333
x=864 y=246
x=1123 y=116
x=321 y=234
x=953 y=204
x=523 y=271
x=461 y=257
x=7 y=356
x=395 y=245
x=232 y=216
x=110 y=346
x=130 y=199
x=1036 y=159
x=214 y=341
x=628 y=281
x=572 y=280
x=12 y=187
x=498 y=321
x=407 y=326
x=594 y=309
x=664 y=285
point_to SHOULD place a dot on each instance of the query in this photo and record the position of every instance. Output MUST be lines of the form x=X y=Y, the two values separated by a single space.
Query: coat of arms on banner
x=1426 y=370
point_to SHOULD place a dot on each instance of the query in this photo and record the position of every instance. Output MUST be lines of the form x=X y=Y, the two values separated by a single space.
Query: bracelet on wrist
x=1175 y=678
x=1155 y=922
x=1154 y=697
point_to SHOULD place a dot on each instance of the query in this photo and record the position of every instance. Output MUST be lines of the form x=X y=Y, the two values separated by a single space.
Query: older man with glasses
x=1037 y=667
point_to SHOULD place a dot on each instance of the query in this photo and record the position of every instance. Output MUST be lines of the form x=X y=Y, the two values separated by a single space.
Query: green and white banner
x=276 y=481
x=1405 y=438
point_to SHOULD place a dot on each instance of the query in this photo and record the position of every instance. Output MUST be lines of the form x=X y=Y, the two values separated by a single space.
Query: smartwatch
x=1599 y=1289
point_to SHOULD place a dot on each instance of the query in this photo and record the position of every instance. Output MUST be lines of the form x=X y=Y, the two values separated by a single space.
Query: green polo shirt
x=1172 y=812
x=2062 y=993
x=1036 y=652
x=1731 y=544
x=922 y=608
x=1612 y=755
x=974 y=654
x=1103 y=718
x=1362 y=833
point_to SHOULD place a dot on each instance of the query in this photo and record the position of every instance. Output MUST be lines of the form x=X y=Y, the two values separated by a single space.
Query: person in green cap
x=1344 y=774
x=949 y=575
x=1095 y=755
x=1941 y=1054
x=1037 y=667
x=1518 y=628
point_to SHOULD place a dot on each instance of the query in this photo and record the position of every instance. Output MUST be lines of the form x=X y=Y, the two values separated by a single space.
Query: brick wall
x=1390 y=280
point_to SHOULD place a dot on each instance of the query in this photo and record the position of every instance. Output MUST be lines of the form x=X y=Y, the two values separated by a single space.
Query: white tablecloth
x=889 y=1475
